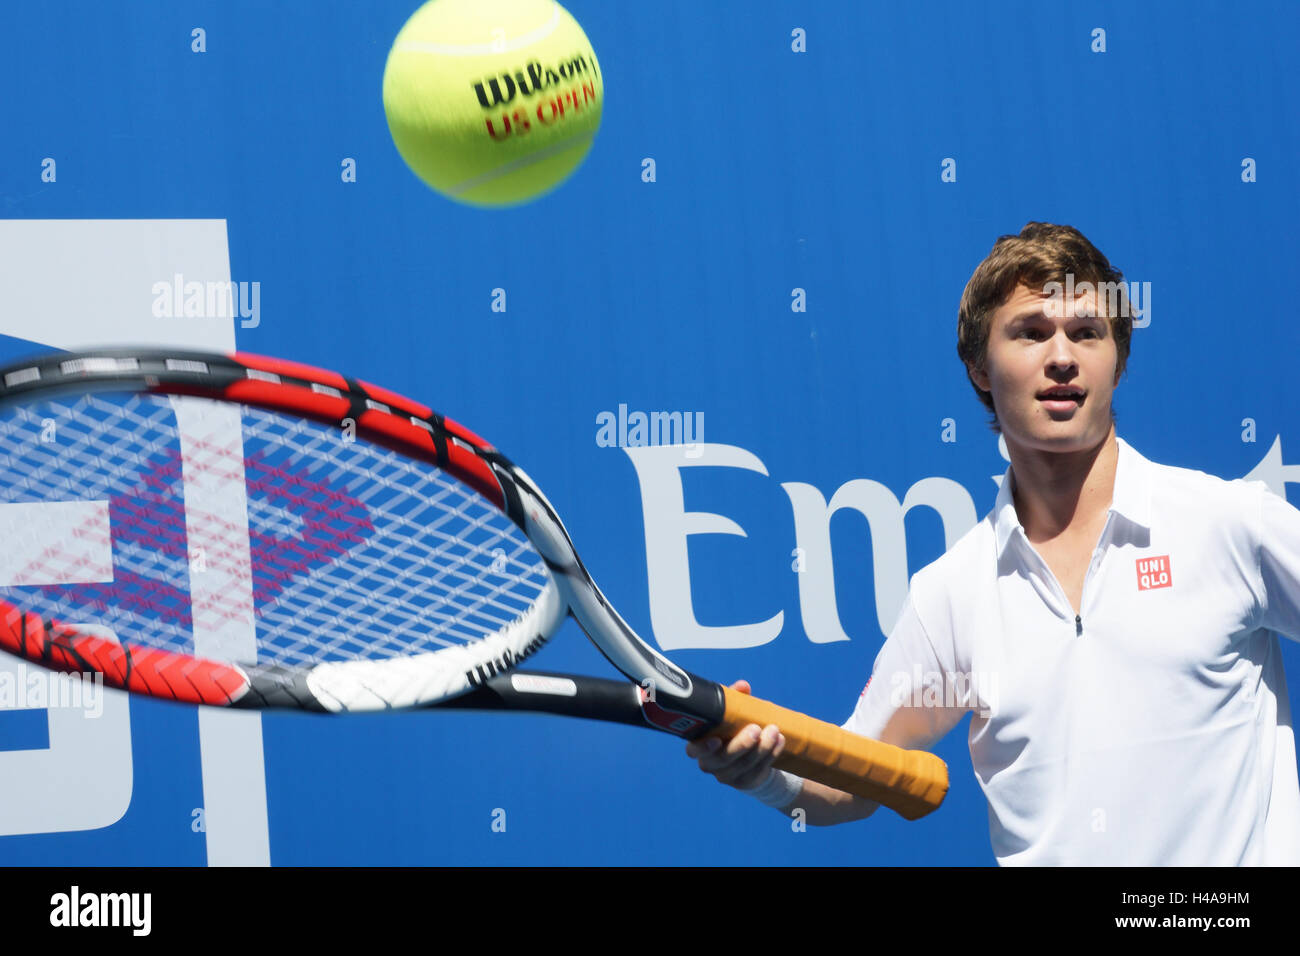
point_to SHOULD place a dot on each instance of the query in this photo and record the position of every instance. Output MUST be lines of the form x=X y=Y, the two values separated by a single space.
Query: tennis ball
x=492 y=102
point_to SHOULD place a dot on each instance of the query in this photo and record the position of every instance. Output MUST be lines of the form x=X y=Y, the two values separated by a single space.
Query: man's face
x=1051 y=366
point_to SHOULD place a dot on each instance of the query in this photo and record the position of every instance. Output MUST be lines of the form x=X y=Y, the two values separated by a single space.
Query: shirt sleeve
x=1279 y=564
x=910 y=700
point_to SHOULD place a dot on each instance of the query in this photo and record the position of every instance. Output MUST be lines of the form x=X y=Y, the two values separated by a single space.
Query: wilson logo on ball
x=530 y=81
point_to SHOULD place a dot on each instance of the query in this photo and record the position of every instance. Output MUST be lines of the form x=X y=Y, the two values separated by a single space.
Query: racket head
x=234 y=530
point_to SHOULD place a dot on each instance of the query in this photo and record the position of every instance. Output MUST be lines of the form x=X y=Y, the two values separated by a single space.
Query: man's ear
x=980 y=378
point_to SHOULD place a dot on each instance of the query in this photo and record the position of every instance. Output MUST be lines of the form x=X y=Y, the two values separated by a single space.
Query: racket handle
x=911 y=782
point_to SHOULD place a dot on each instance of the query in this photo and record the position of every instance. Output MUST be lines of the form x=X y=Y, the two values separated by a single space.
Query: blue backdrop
x=868 y=154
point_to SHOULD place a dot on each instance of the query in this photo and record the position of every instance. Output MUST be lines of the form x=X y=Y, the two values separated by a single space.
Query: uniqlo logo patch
x=1154 y=573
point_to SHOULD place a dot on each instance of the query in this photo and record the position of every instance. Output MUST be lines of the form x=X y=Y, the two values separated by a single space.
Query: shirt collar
x=1131 y=499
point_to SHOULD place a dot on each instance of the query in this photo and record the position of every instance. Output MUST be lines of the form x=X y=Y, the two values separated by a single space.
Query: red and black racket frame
x=384 y=418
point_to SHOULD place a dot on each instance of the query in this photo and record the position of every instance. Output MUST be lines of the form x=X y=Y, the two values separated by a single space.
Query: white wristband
x=778 y=790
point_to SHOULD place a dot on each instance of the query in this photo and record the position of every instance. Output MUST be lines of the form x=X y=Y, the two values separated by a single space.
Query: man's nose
x=1061 y=355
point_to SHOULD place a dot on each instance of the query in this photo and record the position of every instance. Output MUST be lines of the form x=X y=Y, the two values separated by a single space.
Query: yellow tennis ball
x=492 y=102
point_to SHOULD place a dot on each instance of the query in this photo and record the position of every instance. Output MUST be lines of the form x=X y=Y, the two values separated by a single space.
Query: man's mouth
x=1062 y=398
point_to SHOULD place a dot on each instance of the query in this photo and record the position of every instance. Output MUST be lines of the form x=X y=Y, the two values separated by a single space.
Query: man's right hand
x=745 y=761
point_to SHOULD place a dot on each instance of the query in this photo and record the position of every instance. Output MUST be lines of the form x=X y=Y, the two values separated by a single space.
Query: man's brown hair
x=1042 y=253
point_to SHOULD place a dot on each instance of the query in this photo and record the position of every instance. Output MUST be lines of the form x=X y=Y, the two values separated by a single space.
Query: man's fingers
x=753 y=756
x=698 y=748
x=745 y=760
x=715 y=754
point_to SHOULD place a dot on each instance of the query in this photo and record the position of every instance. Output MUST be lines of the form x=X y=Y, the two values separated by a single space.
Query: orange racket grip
x=911 y=782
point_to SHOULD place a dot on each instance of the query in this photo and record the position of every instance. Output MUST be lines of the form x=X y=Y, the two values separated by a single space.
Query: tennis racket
x=233 y=530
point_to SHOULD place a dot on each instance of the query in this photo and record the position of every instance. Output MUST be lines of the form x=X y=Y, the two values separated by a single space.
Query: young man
x=1109 y=625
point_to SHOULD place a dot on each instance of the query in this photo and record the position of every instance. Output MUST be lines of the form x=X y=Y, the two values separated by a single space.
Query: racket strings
x=446 y=545
x=340 y=550
x=72 y=453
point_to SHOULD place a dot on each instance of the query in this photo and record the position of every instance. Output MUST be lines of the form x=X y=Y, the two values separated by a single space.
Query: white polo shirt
x=1154 y=728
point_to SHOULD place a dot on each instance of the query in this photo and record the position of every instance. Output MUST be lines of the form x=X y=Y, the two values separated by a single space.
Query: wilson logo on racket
x=673 y=721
